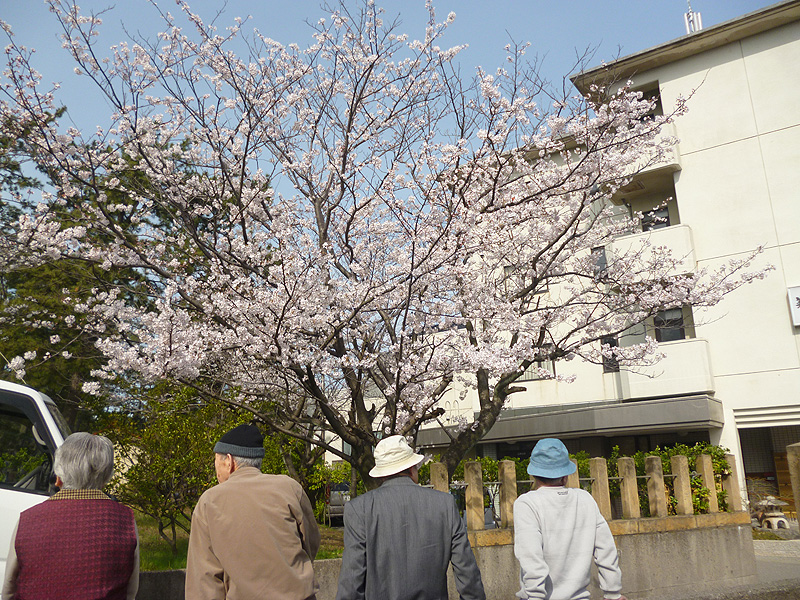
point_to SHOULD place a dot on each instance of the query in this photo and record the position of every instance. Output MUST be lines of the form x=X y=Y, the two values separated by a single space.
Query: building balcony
x=647 y=166
x=678 y=238
x=685 y=369
x=676 y=394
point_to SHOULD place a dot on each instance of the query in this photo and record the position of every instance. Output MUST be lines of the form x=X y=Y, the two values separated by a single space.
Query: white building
x=731 y=374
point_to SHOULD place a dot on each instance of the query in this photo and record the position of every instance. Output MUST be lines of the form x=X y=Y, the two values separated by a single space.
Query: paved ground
x=777 y=560
x=778 y=565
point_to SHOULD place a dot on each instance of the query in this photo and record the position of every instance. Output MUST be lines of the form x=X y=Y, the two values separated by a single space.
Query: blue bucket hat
x=550 y=459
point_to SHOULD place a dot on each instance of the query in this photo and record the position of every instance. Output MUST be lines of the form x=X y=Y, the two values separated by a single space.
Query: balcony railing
x=685 y=369
x=678 y=238
x=669 y=164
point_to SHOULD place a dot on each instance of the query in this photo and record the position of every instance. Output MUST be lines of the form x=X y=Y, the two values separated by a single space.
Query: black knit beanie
x=245 y=441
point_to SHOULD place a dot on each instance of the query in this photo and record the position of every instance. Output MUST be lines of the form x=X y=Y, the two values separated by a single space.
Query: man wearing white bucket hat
x=400 y=537
x=558 y=531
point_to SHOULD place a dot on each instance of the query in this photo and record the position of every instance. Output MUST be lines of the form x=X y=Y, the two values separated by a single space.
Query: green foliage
x=325 y=553
x=762 y=534
x=34 y=319
x=165 y=462
x=15 y=152
x=425 y=471
x=722 y=501
x=39 y=294
x=582 y=460
x=31 y=308
x=15 y=465
x=700 y=494
x=521 y=467
x=154 y=554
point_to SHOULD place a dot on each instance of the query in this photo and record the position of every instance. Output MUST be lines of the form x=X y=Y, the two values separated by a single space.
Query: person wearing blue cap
x=558 y=531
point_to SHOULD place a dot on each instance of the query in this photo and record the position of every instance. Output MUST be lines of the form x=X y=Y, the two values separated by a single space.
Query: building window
x=508 y=273
x=534 y=371
x=600 y=261
x=653 y=94
x=669 y=325
x=655 y=219
x=610 y=363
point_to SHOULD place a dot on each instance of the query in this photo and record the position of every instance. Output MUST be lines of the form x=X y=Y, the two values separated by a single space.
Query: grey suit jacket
x=398 y=541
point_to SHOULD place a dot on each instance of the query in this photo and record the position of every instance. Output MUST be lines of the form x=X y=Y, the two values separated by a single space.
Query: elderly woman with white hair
x=79 y=543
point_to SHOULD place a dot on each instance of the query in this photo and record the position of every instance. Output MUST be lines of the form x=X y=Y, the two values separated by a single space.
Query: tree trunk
x=353 y=482
x=171 y=541
x=491 y=400
x=362 y=461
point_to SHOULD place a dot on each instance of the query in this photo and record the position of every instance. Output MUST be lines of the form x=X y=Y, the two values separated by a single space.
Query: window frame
x=600 y=261
x=610 y=364
x=656 y=218
x=548 y=364
x=663 y=326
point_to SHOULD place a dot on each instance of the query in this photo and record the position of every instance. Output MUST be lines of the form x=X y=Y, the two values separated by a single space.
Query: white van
x=31 y=428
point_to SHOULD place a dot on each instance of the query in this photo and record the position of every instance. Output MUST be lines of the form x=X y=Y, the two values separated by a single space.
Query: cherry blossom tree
x=348 y=230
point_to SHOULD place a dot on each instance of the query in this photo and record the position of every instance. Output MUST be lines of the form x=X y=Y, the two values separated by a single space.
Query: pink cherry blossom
x=333 y=235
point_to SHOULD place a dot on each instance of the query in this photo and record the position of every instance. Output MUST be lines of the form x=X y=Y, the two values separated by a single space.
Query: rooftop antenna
x=693 y=20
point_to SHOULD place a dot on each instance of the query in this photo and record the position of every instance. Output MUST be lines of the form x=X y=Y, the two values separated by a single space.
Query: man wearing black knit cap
x=253 y=535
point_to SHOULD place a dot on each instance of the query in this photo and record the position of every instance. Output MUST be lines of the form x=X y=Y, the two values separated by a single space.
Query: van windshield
x=61 y=422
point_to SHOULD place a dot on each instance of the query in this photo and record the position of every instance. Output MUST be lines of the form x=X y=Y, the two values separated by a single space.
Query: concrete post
x=655 y=486
x=599 y=472
x=629 y=488
x=508 y=492
x=793 y=457
x=439 y=479
x=573 y=481
x=706 y=470
x=473 y=474
x=730 y=483
x=682 y=484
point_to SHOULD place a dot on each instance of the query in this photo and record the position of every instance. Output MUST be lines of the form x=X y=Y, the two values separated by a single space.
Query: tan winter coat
x=253 y=536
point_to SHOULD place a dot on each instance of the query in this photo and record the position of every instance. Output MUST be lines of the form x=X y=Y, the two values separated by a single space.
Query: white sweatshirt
x=558 y=531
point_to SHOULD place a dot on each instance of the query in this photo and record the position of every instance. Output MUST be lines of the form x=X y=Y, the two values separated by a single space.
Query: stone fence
x=657 y=490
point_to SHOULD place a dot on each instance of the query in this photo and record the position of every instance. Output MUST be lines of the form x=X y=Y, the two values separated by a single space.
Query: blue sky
x=556 y=29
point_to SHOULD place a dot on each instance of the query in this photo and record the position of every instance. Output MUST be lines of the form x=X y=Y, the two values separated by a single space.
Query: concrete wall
x=677 y=563
x=161 y=585
x=788 y=589
x=660 y=558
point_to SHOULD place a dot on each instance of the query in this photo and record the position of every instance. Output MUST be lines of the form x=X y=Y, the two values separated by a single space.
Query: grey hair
x=244 y=461
x=84 y=461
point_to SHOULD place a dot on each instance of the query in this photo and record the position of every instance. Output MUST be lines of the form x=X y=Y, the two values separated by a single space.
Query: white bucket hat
x=393 y=455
